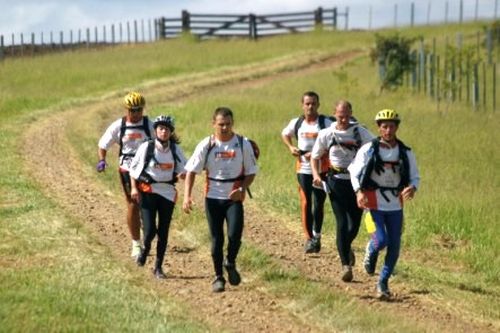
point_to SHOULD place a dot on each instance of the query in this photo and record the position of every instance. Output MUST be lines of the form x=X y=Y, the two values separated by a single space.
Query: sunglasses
x=134 y=110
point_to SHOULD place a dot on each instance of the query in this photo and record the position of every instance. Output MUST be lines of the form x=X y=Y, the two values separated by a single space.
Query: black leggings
x=312 y=202
x=347 y=214
x=151 y=204
x=218 y=210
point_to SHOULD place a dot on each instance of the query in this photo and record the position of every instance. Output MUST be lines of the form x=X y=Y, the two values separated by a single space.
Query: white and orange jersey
x=226 y=164
x=340 y=145
x=134 y=136
x=161 y=168
x=306 y=137
x=389 y=178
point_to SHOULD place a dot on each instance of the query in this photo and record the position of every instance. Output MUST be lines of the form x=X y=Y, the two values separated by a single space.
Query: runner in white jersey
x=384 y=174
x=230 y=166
x=340 y=142
x=129 y=133
x=304 y=130
x=154 y=171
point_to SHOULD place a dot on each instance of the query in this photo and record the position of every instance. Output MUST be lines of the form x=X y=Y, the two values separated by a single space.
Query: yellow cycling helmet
x=134 y=100
x=387 y=114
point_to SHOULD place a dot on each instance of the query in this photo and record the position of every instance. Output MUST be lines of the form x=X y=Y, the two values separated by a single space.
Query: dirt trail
x=246 y=308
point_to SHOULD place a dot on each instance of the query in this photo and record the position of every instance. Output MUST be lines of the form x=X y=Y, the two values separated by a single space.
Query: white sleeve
x=289 y=130
x=414 y=173
x=196 y=162
x=179 y=168
x=321 y=144
x=137 y=164
x=111 y=135
x=249 y=160
x=358 y=164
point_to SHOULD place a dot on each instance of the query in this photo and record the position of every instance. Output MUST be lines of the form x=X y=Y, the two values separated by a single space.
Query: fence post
x=395 y=15
x=32 y=43
x=489 y=45
x=186 y=21
x=467 y=78
x=88 y=38
x=104 y=34
x=438 y=83
x=461 y=12
x=121 y=32
x=318 y=18
x=113 y=34
x=484 y=85
x=22 y=44
x=128 y=32
x=412 y=14
x=136 y=32
x=142 y=31
x=1 y=47
x=414 y=70
x=61 y=39
x=346 y=18
x=162 y=30
x=475 y=87
x=494 y=86
x=335 y=18
x=12 y=46
x=446 y=7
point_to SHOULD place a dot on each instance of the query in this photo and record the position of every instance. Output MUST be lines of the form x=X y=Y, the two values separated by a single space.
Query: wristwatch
x=241 y=189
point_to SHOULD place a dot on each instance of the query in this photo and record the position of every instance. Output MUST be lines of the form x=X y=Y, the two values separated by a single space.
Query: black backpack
x=376 y=164
x=211 y=145
x=321 y=121
x=124 y=127
x=150 y=155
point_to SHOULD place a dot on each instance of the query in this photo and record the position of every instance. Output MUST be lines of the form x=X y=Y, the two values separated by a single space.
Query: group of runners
x=151 y=161
x=336 y=157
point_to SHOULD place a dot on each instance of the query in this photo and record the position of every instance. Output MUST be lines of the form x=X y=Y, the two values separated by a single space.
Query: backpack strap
x=123 y=128
x=299 y=122
x=211 y=145
x=150 y=155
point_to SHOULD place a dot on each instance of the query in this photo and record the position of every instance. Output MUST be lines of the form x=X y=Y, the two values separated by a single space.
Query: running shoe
x=232 y=274
x=141 y=258
x=219 y=284
x=136 y=249
x=346 y=273
x=383 y=292
x=158 y=272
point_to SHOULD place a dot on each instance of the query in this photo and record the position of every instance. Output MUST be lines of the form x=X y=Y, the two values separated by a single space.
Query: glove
x=101 y=166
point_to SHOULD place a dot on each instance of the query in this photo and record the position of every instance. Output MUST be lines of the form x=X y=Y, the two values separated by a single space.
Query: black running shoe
x=232 y=274
x=141 y=258
x=158 y=272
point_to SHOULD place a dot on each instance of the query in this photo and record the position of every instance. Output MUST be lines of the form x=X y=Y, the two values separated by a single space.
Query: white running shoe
x=136 y=249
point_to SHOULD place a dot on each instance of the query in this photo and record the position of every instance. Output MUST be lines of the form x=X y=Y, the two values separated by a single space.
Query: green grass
x=55 y=276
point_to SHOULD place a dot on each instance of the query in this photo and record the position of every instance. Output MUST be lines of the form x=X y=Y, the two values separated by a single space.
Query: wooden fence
x=461 y=74
x=250 y=25
x=200 y=25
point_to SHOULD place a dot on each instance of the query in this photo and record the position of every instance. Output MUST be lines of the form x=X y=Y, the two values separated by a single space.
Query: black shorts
x=126 y=183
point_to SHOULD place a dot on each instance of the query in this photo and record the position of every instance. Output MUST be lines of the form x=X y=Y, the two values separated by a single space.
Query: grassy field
x=451 y=235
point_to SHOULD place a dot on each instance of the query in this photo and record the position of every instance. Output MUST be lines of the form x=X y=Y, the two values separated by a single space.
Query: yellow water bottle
x=369 y=223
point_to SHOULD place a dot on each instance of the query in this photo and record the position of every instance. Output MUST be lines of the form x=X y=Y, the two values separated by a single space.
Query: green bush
x=392 y=54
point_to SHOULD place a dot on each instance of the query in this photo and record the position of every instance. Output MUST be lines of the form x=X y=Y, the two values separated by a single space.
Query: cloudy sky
x=35 y=16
